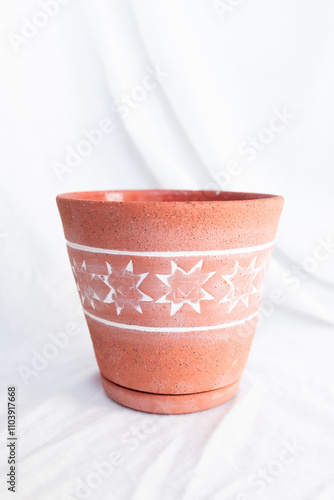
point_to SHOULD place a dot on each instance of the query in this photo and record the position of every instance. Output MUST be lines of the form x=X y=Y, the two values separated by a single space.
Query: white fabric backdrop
x=224 y=70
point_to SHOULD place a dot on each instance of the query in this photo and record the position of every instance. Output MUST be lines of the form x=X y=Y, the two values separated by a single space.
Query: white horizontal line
x=169 y=329
x=181 y=253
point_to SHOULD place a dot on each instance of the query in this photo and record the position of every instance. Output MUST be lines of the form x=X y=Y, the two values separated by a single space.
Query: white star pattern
x=185 y=288
x=84 y=280
x=263 y=271
x=124 y=288
x=241 y=284
x=121 y=285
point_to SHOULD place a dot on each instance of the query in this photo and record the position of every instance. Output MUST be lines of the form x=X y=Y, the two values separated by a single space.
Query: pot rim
x=146 y=196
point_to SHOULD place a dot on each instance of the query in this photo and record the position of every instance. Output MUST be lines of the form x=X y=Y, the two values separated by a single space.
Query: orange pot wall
x=171 y=283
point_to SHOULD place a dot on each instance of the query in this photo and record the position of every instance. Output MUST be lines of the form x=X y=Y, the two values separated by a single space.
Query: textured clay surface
x=171 y=283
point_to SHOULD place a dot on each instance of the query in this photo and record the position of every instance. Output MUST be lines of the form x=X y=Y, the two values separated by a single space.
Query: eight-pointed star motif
x=241 y=283
x=124 y=287
x=83 y=280
x=185 y=288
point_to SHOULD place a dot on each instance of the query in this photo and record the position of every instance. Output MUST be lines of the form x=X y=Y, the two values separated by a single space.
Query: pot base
x=168 y=403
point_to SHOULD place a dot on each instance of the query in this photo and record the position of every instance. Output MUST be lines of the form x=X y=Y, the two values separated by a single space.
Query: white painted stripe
x=169 y=329
x=181 y=253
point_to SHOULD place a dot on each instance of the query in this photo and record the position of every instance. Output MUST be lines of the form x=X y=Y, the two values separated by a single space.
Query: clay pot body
x=171 y=283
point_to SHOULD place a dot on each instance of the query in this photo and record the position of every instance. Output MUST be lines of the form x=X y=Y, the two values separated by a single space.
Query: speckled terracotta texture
x=171 y=283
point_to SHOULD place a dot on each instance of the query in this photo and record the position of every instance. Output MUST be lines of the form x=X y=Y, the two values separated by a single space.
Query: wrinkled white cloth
x=209 y=95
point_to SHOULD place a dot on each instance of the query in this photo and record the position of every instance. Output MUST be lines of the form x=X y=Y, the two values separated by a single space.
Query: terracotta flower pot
x=171 y=284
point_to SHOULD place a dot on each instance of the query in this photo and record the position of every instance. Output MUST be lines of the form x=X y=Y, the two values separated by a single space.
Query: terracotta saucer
x=168 y=403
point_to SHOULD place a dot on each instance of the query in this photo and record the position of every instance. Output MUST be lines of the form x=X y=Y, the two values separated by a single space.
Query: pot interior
x=164 y=195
